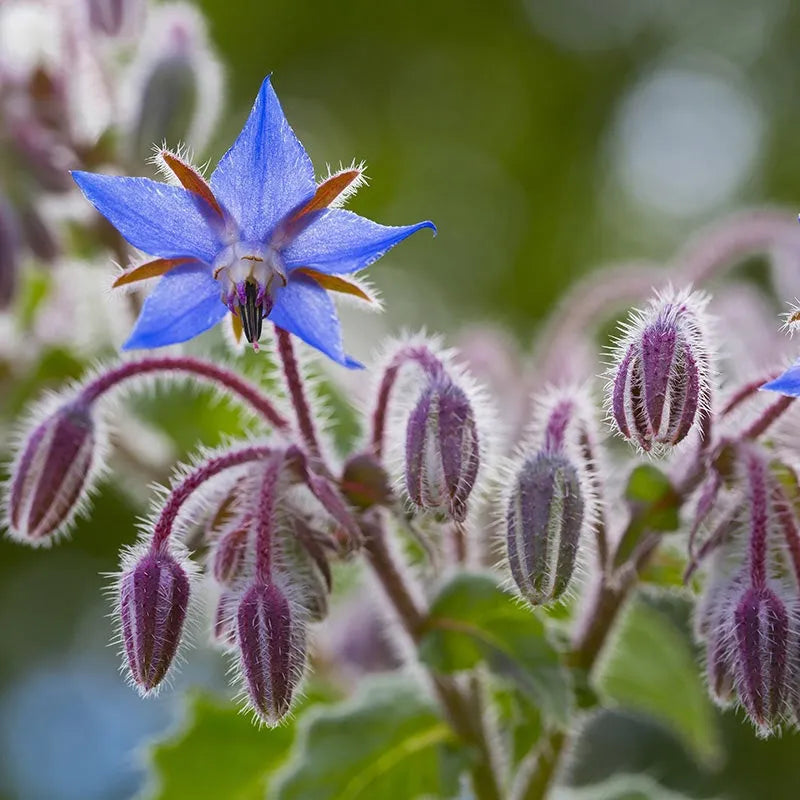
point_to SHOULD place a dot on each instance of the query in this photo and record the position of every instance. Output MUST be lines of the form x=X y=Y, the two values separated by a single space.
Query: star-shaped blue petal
x=258 y=240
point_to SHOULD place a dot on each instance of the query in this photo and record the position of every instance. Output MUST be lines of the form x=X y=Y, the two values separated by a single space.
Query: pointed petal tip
x=428 y=224
x=351 y=363
x=787 y=384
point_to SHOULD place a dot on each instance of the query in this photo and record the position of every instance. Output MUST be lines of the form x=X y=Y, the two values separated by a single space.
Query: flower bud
x=179 y=81
x=306 y=567
x=9 y=253
x=52 y=474
x=153 y=599
x=229 y=558
x=761 y=629
x=223 y=631
x=442 y=449
x=365 y=482
x=544 y=519
x=115 y=17
x=660 y=383
x=271 y=650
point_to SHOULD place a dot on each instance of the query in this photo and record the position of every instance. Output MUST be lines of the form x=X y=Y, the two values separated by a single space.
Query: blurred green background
x=544 y=137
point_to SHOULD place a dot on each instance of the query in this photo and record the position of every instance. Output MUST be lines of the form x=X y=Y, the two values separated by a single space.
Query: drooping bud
x=229 y=558
x=9 y=253
x=271 y=650
x=223 y=630
x=179 y=80
x=52 y=474
x=303 y=563
x=153 y=600
x=660 y=384
x=544 y=520
x=115 y=17
x=761 y=628
x=442 y=449
x=365 y=482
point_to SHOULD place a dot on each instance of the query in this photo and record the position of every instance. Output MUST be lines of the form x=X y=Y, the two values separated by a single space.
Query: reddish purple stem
x=297 y=393
x=416 y=353
x=193 y=481
x=205 y=370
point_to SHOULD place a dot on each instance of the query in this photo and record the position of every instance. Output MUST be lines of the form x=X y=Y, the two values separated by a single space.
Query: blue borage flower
x=260 y=233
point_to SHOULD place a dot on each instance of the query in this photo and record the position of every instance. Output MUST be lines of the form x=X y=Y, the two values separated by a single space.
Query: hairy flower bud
x=52 y=474
x=223 y=630
x=179 y=80
x=115 y=17
x=442 y=449
x=761 y=629
x=153 y=600
x=660 y=382
x=229 y=558
x=9 y=253
x=544 y=519
x=306 y=567
x=271 y=650
x=365 y=482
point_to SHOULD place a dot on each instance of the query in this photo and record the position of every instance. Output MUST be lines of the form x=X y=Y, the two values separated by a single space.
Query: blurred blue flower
x=787 y=383
x=260 y=234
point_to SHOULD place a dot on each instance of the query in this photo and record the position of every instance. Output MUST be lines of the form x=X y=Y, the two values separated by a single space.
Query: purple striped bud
x=442 y=449
x=115 y=17
x=304 y=564
x=229 y=560
x=271 y=650
x=714 y=615
x=153 y=600
x=223 y=631
x=10 y=241
x=761 y=630
x=660 y=382
x=544 y=520
x=52 y=474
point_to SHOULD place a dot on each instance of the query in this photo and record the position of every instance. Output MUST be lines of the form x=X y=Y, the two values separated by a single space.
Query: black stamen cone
x=252 y=313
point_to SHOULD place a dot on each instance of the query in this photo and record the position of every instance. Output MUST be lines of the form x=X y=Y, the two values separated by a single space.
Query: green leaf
x=473 y=620
x=387 y=742
x=218 y=753
x=650 y=669
x=654 y=506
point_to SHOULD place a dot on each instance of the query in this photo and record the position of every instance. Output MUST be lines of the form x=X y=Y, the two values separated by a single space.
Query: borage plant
x=510 y=654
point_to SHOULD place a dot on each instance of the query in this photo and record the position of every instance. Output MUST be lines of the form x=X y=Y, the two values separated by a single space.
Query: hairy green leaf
x=387 y=742
x=650 y=669
x=473 y=620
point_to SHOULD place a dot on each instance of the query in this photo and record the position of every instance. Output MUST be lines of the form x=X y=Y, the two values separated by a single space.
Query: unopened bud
x=660 y=384
x=761 y=628
x=442 y=449
x=271 y=650
x=9 y=253
x=179 y=79
x=365 y=482
x=115 y=17
x=544 y=520
x=52 y=474
x=153 y=600
x=229 y=558
x=223 y=631
x=303 y=562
